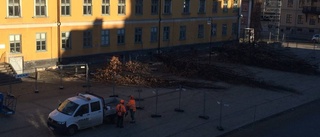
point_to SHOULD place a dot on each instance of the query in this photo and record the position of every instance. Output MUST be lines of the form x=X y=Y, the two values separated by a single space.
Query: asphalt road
x=303 y=121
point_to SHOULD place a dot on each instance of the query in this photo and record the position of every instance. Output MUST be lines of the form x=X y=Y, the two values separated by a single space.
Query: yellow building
x=39 y=33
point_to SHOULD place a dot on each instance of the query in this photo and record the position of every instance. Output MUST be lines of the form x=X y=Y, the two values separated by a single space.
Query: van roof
x=83 y=98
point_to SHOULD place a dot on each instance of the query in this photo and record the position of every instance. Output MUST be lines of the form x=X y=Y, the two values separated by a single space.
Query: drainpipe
x=239 y=18
x=58 y=32
x=249 y=13
x=159 y=26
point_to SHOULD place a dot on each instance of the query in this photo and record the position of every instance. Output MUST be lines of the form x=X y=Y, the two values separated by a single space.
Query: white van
x=80 y=112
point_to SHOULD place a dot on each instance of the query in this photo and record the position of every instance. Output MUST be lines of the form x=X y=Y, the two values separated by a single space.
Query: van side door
x=82 y=116
x=96 y=113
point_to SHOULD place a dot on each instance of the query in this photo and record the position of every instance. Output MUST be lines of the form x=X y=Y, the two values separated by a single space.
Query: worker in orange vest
x=131 y=105
x=121 y=110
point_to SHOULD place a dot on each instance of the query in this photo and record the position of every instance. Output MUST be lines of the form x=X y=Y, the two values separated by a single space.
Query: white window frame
x=66 y=40
x=121 y=36
x=106 y=6
x=105 y=37
x=121 y=7
x=41 y=37
x=64 y=6
x=14 y=5
x=87 y=4
x=45 y=8
x=154 y=34
x=225 y=6
x=15 y=39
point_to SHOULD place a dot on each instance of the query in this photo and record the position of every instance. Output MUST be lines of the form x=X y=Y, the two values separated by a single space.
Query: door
x=96 y=113
x=82 y=116
x=17 y=64
x=2 y=53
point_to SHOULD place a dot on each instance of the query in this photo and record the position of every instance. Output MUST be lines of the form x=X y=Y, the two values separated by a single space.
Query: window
x=166 y=33
x=235 y=6
x=139 y=7
x=105 y=37
x=87 y=7
x=14 y=8
x=200 y=31
x=213 y=30
x=225 y=6
x=65 y=40
x=154 y=34
x=224 y=29
x=234 y=29
x=167 y=7
x=41 y=8
x=15 y=43
x=202 y=6
x=182 y=33
x=65 y=7
x=122 y=7
x=84 y=109
x=312 y=21
x=300 y=19
x=138 y=35
x=95 y=106
x=288 y=18
x=290 y=3
x=301 y=3
x=154 y=6
x=121 y=36
x=186 y=6
x=105 y=7
x=87 y=38
x=311 y=30
x=41 y=41
x=215 y=6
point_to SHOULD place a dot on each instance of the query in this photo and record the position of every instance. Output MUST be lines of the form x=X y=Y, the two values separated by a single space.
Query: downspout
x=159 y=26
x=239 y=18
x=58 y=32
x=249 y=13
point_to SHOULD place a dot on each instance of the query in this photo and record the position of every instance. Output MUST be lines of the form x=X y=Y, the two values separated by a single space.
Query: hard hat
x=122 y=101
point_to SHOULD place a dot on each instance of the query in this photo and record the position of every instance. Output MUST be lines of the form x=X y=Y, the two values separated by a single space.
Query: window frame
x=154 y=7
x=224 y=31
x=182 y=32
x=41 y=40
x=87 y=7
x=45 y=8
x=65 y=6
x=121 y=7
x=105 y=37
x=138 y=35
x=167 y=8
x=215 y=5
x=225 y=6
x=139 y=7
x=105 y=7
x=121 y=36
x=202 y=7
x=186 y=7
x=166 y=33
x=201 y=31
x=65 y=41
x=15 y=41
x=153 y=34
x=87 y=39
x=13 y=5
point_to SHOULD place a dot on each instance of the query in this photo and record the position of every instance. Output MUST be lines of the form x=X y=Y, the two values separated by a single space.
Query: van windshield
x=68 y=107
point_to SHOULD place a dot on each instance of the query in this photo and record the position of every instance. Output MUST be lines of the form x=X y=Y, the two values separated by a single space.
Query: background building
x=300 y=18
x=43 y=32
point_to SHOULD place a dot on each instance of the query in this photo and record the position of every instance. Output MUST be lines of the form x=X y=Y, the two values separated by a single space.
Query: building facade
x=36 y=33
x=300 y=19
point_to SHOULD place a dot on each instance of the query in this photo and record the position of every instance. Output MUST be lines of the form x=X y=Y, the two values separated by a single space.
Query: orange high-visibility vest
x=132 y=104
x=121 y=110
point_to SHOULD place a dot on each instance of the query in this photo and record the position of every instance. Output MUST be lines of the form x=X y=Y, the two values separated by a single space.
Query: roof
x=83 y=98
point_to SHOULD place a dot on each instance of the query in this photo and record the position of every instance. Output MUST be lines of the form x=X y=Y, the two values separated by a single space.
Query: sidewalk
x=241 y=105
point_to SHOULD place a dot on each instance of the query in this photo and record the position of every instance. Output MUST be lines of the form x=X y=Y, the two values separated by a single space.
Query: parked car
x=316 y=38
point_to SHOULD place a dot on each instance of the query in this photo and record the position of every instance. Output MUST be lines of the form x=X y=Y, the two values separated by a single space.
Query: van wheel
x=72 y=130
